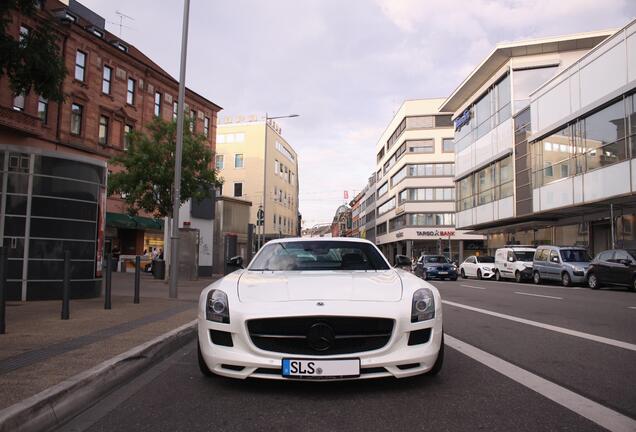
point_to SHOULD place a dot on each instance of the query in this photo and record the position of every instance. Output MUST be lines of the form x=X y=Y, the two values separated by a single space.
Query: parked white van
x=514 y=262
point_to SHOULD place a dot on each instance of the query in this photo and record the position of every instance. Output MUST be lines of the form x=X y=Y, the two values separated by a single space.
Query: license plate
x=321 y=369
x=442 y=272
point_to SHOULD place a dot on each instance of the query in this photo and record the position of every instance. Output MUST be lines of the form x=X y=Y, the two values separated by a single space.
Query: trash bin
x=159 y=269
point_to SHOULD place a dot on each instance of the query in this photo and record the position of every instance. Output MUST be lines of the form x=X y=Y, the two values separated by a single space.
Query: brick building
x=52 y=152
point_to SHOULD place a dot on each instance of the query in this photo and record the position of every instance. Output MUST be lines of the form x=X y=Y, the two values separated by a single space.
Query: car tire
x=497 y=276
x=479 y=274
x=633 y=286
x=592 y=281
x=463 y=274
x=536 y=277
x=437 y=366
x=205 y=370
x=518 y=277
x=566 y=280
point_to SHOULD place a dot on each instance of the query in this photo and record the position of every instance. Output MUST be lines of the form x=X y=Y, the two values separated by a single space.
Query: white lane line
x=542 y=286
x=538 y=295
x=472 y=286
x=631 y=307
x=593 y=411
x=595 y=338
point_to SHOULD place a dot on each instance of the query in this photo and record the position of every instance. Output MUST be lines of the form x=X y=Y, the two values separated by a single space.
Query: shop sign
x=435 y=233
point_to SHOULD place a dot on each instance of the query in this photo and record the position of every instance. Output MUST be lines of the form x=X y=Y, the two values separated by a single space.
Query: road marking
x=631 y=307
x=542 y=286
x=539 y=295
x=593 y=411
x=595 y=338
x=471 y=286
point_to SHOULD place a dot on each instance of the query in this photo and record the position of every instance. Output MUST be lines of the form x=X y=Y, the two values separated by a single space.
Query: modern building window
x=80 y=65
x=422 y=220
x=43 y=109
x=491 y=183
x=106 y=79
x=103 y=130
x=238 y=161
x=431 y=170
x=193 y=121
x=238 y=189
x=386 y=207
x=443 y=121
x=381 y=229
x=281 y=148
x=18 y=102
x=448 y=145
x=380 y=155
x=421 y=146
x=427 y=194
x=525 y=81
x=130 y=92
x=219 y=162
x=127 y=131
x=77 y=112
x=157 y=107
x=383 y=189
x=591 y=142
x=175 y=110
x=206 y=127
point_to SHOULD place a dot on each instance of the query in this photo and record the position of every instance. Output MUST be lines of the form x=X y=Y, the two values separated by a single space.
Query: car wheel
x=518 y=277
x=463 y=274
x=497 y=276
x=479 y=274
x=633 y=287
x=566 y=281
x=592 y=281
x=202 y=366
x=437 y=367
x=536 y=278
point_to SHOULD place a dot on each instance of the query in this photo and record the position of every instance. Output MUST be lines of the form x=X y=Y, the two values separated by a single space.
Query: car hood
x=584 y=264
x=280 y=286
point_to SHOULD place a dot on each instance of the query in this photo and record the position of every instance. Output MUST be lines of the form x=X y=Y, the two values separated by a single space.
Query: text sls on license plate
x=316 y=368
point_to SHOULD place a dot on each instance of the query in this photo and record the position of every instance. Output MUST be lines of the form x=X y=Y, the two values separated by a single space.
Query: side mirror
x=626 y=262
x=236 y=261
x=555 y=260
x=402 y=261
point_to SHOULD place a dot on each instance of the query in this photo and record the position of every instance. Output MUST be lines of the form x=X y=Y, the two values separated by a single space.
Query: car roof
x=319 y=239
x=520 y=249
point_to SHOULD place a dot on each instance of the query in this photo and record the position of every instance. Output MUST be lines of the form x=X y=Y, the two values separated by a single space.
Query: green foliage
x=34 y=63
x=147 y=172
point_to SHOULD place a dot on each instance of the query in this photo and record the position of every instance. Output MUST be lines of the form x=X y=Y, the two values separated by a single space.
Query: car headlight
x=486 y=268
x=454 y=267
x=217 y=307
x=423 y=306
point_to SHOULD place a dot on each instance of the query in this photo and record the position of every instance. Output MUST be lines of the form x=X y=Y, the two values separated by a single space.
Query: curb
x=54 y=406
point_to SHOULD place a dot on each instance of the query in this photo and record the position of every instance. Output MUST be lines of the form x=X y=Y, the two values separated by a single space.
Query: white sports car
x=329 y=308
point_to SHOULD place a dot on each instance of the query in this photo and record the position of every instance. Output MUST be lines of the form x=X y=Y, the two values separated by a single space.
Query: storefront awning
x=119 y=220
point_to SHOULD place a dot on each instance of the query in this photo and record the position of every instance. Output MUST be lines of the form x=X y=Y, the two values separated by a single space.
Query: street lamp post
x=176 y=203
x=267 y=119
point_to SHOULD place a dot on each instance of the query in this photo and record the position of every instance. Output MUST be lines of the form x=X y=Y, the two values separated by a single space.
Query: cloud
x=344 y=66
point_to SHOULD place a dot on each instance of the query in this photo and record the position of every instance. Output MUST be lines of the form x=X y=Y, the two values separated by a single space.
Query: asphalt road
x=519 y=358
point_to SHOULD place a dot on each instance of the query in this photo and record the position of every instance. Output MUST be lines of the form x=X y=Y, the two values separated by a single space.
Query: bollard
x=66 y=286
x=137 y=279
x=3 y=287
x=109 y=269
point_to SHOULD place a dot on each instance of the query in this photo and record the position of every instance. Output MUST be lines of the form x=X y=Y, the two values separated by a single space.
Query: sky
x=345 y=66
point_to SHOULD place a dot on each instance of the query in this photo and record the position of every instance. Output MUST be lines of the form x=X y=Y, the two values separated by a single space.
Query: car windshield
x=524 y=255
x=575 y=255
x=437 y=259
x=485 y=259
x=632 y=252
x=318 y=255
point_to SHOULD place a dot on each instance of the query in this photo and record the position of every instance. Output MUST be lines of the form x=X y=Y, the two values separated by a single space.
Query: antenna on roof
x=123 y=16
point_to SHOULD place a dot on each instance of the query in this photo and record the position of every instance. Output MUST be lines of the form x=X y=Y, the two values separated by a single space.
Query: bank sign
x=435 y=233
x=462 y=120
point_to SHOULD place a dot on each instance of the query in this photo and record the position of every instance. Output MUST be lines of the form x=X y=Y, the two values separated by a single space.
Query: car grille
x=320 y=335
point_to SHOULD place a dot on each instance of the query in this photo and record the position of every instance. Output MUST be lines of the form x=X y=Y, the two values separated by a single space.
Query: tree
x=147 y=174
x=32 y=61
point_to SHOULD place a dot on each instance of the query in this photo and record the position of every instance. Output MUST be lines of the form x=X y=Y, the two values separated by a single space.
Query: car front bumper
x=435 y=274
x=245 y=360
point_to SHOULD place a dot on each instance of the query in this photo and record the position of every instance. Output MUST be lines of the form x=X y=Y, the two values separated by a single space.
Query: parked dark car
x=435 y=267
x=613 y=267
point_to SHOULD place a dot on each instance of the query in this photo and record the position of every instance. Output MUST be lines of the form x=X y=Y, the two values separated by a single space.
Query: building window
x=219 y=162
x=491 y=183
x=127 y=131
x=421 y=146
x=386 y=207
x=383 y=189
x=103 y=130
x=238 y=190
x=80 y=65
x=106 y=77
x=130 y=92
x=76 y=119
x=18 y=102
x=206 y=127
x=193 y=121
x=43 y=109
x=157 y=110
x=238 y=161
x=24 y=33
x=175 y=110
x=448 y=145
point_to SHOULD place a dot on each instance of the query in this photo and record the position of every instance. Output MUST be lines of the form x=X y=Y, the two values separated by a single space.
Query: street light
x=267 y=119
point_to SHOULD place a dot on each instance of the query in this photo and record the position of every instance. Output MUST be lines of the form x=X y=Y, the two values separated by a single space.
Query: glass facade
x=422 y=220
x=424 y=170
x=51 y=205
x=592 y=142
x=427 y=194
x=491 y=183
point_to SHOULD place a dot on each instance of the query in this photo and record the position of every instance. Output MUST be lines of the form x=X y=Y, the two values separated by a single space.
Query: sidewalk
x=40 y=350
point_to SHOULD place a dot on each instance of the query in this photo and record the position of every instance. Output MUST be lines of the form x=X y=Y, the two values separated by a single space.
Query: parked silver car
x=567 y=264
